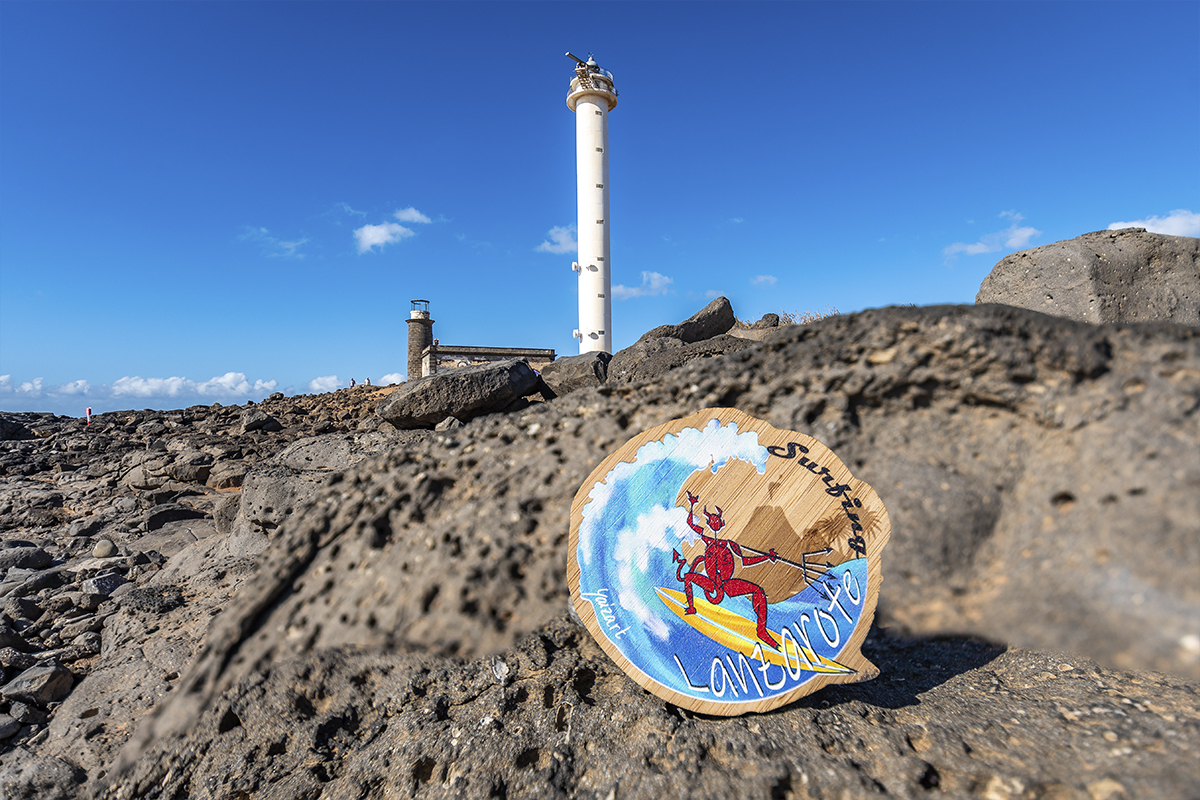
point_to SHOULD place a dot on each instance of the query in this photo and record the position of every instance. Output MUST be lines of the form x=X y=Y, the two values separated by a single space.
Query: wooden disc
x=727 y=566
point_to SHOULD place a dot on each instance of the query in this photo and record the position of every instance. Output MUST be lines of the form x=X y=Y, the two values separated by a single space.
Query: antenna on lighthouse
x=591 y=96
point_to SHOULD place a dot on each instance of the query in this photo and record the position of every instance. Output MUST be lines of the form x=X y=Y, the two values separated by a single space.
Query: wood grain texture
x=790 y=496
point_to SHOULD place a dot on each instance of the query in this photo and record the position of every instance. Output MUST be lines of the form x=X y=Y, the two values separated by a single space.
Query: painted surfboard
x=726 y=565
x=738 y=633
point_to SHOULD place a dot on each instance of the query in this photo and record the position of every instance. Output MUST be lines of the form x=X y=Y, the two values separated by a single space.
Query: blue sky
x=207 y=202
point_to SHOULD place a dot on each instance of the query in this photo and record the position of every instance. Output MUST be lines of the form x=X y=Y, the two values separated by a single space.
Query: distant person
x=352 y=384
x=367 y=381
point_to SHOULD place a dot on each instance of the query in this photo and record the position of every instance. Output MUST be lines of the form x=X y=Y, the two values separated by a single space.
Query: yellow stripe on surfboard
x=740 y=634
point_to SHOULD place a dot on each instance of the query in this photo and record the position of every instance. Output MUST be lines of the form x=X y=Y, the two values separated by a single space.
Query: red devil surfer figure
x=718 y=566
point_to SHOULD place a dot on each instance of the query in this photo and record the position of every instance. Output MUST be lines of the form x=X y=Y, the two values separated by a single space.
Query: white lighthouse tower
x=591 y=96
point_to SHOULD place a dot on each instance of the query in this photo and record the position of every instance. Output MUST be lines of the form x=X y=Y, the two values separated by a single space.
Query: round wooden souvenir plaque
x=727 y=566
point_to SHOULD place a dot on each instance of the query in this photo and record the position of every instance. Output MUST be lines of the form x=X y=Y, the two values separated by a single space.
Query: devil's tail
x=682 y=562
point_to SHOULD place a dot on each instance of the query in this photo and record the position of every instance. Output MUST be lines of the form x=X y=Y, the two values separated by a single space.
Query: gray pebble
x=104 y=549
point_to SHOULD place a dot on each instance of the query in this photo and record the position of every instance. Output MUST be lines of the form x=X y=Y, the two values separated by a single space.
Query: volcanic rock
x=403 y=633
x=712 y=320
x=226 y=475
x=255 y=419
x=160 y=515
x=8 y=726
x=565 y=375
x=989 y=431
x=37 y=778
x=279 y=486
x=12 y=427
x=39 y=685
x=463 y=393
x=24 y=558
x=104 y=584
x=647 y=359
x=22 y=608
x=1126 y=275
x=553 y=717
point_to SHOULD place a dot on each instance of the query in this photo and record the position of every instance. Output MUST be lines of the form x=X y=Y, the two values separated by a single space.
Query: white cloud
x=391 y=377
x=1019 y=237
x=173 y=392
x=1179 y=222
x=1013 y=237
x=369 y=236
x=31 y=387
x=138 y=386
x=712 y=294
x=231 y=384
x=325 y=383
x=561 y=240
x=234 y=383
x=410 y=214
x=737 y=220
x=764 y=280
x=653 y=283
x=75 y=387
x=272 y=246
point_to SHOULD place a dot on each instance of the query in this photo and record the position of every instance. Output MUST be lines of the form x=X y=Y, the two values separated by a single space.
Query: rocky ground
x=363 y=594
x=90 y=514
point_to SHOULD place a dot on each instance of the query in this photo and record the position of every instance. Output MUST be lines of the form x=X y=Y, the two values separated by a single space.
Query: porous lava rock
x=990 y=432
x=402 y=633
x=277 y=487
x=1127 y=275
x=553 y=717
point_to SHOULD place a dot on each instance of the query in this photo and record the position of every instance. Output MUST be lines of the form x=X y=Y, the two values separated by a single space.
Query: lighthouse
x=591 y=96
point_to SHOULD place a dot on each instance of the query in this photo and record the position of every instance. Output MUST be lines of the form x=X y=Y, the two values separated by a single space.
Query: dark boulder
x=39 y=685
x=565 y=375
x=464 y=393
x=255 y=419
x=12 y=426
x=712 y=320
x=1126 y=275
x=767 y=321
x=23 y=557
x=650 y=358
